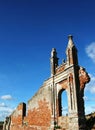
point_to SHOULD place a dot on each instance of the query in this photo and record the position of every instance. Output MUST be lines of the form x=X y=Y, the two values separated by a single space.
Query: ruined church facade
x=44 y=109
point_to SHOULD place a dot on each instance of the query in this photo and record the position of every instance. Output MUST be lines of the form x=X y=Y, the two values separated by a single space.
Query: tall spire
x=70 y=41
x=71 y=52
x=53 y=52
x=54 y=61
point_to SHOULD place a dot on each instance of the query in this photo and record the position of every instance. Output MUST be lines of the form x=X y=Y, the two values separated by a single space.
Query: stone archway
x=62 y=120
x=61 y=88
x=62 y=102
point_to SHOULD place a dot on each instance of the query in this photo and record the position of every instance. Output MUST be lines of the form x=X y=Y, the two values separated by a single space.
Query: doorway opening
x=63 y=104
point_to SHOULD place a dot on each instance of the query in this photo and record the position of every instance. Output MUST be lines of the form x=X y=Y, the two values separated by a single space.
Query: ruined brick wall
x=38 y=115
x=18 y=114
x=44 y=111
x=39 y=108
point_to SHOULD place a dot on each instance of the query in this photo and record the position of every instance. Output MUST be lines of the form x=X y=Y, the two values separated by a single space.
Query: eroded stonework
x=83 y=77
x=44 y=109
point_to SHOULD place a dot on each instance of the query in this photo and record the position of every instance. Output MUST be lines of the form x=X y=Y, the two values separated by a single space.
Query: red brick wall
x=38 y=118
x=17 y=120
x=18 y=114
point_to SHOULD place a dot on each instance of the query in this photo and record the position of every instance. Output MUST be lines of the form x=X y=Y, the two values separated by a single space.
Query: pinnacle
x=70 y=41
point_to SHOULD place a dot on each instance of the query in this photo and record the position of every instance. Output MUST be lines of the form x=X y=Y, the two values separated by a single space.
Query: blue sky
x=29 y=29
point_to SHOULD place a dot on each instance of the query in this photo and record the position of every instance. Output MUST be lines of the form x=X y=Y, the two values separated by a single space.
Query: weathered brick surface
x=60 y=69
x=38 y=113
x=18 y=114
x=41 y=115
x=28 y=128
x=17 y=120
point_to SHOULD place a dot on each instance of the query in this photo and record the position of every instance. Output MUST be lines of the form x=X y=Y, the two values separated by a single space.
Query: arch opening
x=62 y=103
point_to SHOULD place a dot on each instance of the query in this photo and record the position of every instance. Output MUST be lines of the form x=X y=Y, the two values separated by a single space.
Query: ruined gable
x=44 y=109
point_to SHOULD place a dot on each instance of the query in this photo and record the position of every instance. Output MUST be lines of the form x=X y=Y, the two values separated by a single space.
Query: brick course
x=41 y=115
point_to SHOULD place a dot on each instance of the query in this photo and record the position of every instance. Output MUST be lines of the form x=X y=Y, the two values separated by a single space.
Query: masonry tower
x=67 y=77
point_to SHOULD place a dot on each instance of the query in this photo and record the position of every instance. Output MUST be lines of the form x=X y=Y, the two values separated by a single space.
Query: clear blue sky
x=29 y=29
